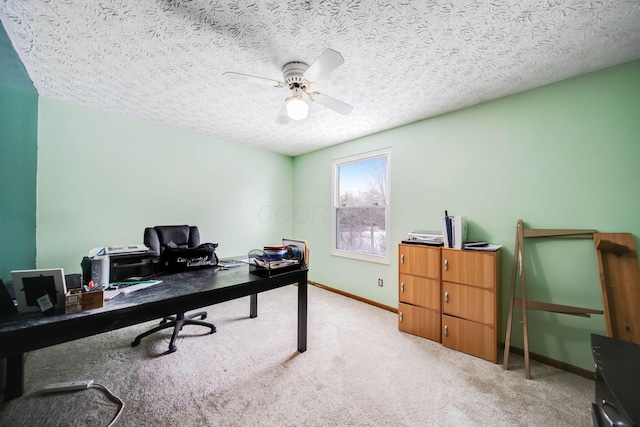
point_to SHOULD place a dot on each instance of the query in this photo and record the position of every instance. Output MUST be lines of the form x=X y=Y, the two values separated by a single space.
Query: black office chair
x=158 y=239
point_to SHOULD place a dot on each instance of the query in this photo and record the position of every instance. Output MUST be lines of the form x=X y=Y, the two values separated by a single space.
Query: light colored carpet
x=358 y=370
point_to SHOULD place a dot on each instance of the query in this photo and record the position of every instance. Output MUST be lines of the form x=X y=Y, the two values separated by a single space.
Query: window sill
x=361 y=257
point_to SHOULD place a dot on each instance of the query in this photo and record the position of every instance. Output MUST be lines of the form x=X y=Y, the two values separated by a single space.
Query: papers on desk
x=269 y=264
x=118 y=250
x=110 y=294
x=228 y=263
x=122 y=288
x=486 y=248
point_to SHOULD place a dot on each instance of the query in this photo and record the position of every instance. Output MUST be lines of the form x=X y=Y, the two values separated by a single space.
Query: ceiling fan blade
x=253 y=79
x=328 y=61
x=332 y=103
x=283 y=117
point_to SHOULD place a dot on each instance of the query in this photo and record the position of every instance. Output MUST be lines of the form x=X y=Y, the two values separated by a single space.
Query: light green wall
x=565 y=155
x=560 y=156
x=104 y=177
x=18 y=147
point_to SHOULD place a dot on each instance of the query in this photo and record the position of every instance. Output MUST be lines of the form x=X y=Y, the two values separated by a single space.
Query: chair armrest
x=151 y=240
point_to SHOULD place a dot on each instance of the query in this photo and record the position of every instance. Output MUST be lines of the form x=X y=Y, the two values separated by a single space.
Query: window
x=361 y=206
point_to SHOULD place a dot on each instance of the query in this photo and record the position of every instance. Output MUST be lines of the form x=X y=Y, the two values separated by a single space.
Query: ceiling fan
x=298 y=78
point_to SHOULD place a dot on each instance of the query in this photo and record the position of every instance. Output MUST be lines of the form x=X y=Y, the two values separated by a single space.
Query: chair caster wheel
x=172 y=349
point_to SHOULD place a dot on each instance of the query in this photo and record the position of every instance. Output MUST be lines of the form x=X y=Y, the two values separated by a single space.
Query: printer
x=119 y=263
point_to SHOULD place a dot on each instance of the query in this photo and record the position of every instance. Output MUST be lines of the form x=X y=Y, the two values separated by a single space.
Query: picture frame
x=31 y=285
x=304 y=249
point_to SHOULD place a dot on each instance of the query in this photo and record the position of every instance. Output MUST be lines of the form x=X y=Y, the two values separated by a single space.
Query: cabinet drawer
x=469 y=267
x=419 y=260
x=470 y=337
x=478 y=305
x=419 y=321
x=419 y=291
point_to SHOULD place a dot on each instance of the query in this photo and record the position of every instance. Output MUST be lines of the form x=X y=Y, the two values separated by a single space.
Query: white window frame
x=386 y=152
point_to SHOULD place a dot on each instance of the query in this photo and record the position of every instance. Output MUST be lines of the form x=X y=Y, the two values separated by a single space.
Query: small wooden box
x=75 y=300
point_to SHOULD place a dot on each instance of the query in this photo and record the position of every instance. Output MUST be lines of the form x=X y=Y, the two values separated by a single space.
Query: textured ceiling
x=163 y=60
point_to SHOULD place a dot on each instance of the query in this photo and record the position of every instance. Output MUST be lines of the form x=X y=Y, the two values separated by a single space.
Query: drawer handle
x=446 y=264
x=402 y=287
x=446 y=297
x=400 y=316
x=611 y=417
x=401 y=258
x=446 y=331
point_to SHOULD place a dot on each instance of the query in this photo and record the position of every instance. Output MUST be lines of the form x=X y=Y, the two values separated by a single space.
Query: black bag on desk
x=181 y=259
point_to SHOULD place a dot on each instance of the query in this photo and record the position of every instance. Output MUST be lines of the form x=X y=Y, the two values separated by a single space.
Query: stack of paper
x=486 y=248
x=122 y=288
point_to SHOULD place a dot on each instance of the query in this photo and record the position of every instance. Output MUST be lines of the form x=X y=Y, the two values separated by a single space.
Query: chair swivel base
x=177 y=322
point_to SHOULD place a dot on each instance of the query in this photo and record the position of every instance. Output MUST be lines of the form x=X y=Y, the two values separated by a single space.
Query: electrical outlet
x=380 y=282
x=68 y=386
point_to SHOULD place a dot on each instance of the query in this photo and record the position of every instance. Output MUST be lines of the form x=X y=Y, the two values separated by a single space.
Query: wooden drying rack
x=522 y=301
x=619 y=279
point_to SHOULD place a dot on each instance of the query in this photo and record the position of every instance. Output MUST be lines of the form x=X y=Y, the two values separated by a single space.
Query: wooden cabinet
x=417 y=260
x=450 y=296
x=419 y=321
x=469 y=337
x=419 y=293
x=470 y=302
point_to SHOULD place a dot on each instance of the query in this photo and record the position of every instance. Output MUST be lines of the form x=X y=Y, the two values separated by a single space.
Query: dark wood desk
x=178 y=292
x=617 y=378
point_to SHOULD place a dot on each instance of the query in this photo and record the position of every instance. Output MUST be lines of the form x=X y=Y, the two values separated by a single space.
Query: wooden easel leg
x=523 y=297
x=512 y=296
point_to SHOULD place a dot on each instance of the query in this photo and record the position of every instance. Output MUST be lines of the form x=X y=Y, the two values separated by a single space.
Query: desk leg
x=253 y=306
x=302 y=316
x=14 y=375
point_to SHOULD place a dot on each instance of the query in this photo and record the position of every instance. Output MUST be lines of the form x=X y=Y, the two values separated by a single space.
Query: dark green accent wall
x=18 y=161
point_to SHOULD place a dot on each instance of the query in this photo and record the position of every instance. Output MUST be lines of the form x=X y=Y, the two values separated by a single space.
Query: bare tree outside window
x=361 y=205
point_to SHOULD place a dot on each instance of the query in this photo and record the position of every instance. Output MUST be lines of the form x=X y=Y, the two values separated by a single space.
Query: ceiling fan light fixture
x=298 y=78
x=297 y=109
